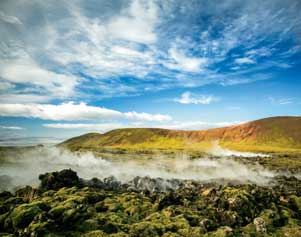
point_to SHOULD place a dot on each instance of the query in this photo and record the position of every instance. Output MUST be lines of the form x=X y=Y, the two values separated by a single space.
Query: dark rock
x=5 y=195
x=57 y=180
x=169 y=199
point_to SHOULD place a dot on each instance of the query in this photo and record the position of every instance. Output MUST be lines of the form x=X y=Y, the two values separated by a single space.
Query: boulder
x=24 y=214
x=57 y=180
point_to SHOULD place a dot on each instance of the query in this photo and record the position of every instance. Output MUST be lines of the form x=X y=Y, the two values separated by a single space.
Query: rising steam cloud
x=217 y=150
x=25 y=168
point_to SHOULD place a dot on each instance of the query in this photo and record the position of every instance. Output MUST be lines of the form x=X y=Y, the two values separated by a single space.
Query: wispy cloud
x=72 y=111
x=198 y=125
x=10 y=127
x=190 y=98
x=244 y=61
x=137 y=24
x=102 y=127
x=280 y=101
x=24 y=71
x=180 y=61
x=9 y=19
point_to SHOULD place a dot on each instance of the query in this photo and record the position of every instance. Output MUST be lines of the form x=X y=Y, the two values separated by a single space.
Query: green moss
x=136 y=206
x=24 y=214
x=57 y=212
x=112 y=204
x=171 y=234
x=150 y=229
x=2 y=220
x=70 y=215
x=119 y=234
x=95 y=233
x=6 y=235
x=40 y=228
x=88 y=225
x=295 y=203
x=14 y=200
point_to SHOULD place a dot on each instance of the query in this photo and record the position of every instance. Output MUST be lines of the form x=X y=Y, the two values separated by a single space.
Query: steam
x=217 y=150
x=24 y=169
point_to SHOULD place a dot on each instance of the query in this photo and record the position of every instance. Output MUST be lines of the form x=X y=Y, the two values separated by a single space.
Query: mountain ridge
x=278 y=133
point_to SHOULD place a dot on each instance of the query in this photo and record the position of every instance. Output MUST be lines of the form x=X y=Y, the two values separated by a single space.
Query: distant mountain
x=269 y=134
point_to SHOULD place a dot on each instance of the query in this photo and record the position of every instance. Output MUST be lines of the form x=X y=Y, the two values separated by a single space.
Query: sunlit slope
x=135 y=138
x=265 y=134
x=269 y=134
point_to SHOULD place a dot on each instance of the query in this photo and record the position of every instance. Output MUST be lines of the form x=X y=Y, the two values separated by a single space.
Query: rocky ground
x=65 y=205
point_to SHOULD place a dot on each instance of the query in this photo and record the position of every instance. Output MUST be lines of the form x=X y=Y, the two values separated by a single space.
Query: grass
x=260 y=148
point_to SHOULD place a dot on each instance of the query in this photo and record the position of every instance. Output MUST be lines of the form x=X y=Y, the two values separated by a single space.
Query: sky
x=72 y=67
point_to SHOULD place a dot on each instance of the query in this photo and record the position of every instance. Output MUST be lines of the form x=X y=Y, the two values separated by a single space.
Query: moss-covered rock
x=22 y=215
x=150 y=229
x=57 y=180
x=192 y=210
x=88 y=225
x=95 y=233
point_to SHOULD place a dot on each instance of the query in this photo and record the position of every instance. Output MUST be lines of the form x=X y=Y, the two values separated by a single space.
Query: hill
x=268 y=134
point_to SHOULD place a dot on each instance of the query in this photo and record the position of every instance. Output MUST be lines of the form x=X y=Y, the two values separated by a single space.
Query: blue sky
x=71 y=67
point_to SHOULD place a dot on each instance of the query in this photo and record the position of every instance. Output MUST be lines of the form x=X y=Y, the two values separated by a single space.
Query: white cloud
x=198 y=125
x=72 y=112
x=244 y=61
x=146 y=116
x=102 y=51
x=260 y=52
x=28 y=72
x=10 y=19
x=184 y=63
x=190 y=98
x=11 y=128
x=127 y=52
x=86 y=126
x=138 y=23
x=24 y=98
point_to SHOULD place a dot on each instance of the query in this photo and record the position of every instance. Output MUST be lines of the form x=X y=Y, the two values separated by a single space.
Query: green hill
x=275 y=134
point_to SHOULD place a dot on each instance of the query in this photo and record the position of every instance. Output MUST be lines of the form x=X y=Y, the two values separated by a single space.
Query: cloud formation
x=280 y=101
x=190 y=98
x=24 y=71
x=70 y=49
x=86 y=126
x=11 y=127
x=72 y=112
x=9 y=19
x=198 y=125
x=244 y=61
